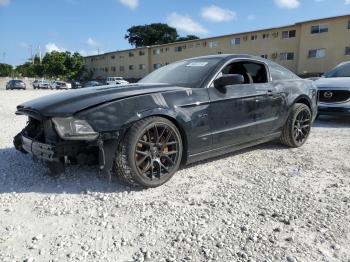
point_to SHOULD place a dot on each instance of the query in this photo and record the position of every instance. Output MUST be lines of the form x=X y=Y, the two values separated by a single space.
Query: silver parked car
x=334 y=91
x=41 y=84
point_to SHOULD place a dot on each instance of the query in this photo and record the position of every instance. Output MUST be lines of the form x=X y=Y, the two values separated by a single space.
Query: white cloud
x=288 y=4
x=4 y=2
x=347 y=2
x=185 y=23
x=132 y=4
x=92 y=42
x=216 y=14
x=53 y=47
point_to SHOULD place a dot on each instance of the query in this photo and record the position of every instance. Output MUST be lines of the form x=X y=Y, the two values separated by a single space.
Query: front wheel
x=298 y=126
x=150 y=152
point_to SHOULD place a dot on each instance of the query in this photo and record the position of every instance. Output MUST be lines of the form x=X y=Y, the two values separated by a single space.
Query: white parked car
x=334 y=91
x=41 y=84
x=60 y=85
x=116 y=81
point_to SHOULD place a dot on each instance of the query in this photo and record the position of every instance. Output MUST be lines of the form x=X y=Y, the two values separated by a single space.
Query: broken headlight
x=71 y=128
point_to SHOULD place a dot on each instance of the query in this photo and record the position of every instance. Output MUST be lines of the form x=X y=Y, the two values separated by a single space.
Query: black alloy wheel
x=157 y=151
x=302 y=126
x=150 y=153
x=298 y=126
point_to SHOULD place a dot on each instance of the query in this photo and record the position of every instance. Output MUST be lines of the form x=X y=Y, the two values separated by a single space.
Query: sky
x=91 y=26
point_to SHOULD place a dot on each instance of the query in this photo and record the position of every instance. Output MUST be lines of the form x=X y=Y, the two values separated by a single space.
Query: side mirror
x=228 y=80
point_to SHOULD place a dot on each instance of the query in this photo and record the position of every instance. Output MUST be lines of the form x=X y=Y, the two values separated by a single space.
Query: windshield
x=343 y=70
x=188 y=73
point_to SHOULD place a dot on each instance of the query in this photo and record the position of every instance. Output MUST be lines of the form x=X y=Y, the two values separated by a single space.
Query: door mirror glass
x=228 y=80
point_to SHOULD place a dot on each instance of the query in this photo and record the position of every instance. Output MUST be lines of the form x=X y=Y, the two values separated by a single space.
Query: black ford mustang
x=184 y=112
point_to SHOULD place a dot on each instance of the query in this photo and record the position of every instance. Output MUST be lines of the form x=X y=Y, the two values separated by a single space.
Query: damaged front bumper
x=39 y=150
x=57 y=153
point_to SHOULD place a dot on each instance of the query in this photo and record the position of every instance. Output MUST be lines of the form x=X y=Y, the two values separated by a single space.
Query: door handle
x=270 y=92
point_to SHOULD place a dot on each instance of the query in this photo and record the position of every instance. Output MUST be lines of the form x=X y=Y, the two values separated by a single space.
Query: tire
x=298 y=126
x=150 y=153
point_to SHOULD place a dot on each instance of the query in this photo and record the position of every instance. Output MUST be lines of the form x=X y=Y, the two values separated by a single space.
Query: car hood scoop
x=70 y=102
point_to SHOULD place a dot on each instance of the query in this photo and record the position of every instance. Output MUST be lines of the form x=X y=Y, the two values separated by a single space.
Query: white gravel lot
x=267 y=203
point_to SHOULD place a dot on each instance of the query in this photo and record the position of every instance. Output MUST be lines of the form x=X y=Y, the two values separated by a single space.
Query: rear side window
x=280 y=73
x=253 y=73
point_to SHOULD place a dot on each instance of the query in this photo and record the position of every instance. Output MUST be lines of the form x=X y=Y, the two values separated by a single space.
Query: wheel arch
x=173 y=118
x=303 y=99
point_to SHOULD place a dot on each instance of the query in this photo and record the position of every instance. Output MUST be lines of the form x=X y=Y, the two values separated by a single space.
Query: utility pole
x=31 y=53
x=40 y=58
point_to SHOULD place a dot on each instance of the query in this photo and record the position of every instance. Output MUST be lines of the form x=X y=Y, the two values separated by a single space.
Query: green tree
x=63 y=65
x=152 y=34
x=26 y=69
x=5 y=69
x=186 y=38
x=54 y=63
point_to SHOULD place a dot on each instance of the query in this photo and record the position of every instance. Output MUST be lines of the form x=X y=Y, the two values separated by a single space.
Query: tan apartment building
x=313 y=46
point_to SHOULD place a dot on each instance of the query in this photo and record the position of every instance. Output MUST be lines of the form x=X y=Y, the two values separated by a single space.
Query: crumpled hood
x=70 y=102
x=335 y=82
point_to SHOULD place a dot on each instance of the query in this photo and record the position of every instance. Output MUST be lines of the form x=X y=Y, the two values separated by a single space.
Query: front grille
x=333 y=96
x=35 y=130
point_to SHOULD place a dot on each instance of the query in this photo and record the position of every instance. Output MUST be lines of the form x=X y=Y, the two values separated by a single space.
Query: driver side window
x=253 y=73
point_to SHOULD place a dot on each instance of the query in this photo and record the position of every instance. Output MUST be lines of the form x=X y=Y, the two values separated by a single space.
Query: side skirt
x=229 y=149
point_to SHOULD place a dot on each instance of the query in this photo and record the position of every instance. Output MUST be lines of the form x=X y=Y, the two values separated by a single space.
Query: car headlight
x=71 y=128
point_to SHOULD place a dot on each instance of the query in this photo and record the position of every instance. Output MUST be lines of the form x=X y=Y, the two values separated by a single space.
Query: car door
x=242 y=113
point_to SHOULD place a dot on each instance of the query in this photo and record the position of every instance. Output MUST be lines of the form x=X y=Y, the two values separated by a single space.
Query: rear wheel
x=150 y=152
x=298 y=126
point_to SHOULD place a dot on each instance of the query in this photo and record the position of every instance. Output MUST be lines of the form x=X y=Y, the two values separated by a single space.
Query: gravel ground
x=267 y=203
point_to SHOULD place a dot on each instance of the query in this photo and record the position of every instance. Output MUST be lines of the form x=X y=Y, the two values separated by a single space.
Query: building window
x=156 y=66
x=275 y=34
x=121 y=57
x=288 y=34
x=156 y=51
x=254 y=37
x=266 y=36
x=245 y=38
x=347 y=50
x=106 y=69
x=121 y=68
x=112 y=56
x=141 y=53
x=318 y=29
x=113 y=69
x=265 y=56
x=131 y=54
x=213 y=44
x=142 y=66
x=286 y=56
x=190 y=45
x=317 y=53
x=235 y=41
x=178 y=49
x=131 y=67
x=349 y=24
x=167 y=49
